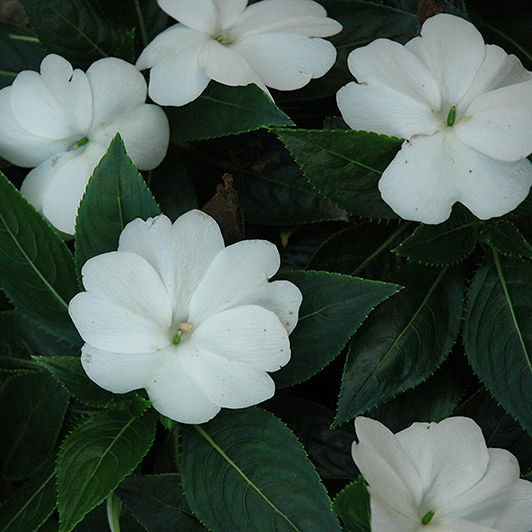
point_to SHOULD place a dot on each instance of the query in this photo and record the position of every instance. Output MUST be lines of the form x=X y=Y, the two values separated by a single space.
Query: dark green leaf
x=31 y=504
x=333 y=307
x=36 y=268
x=97 y=521
x=157 y=501
x=498 y=333
x=78 y=31
x=245 y=470
x=344 y=166
x=97 y=455
x=222 y=110
x=506 y=239
x=32 y=408
x=115 y=195
x=404 y=340
x=446 y=243
x=351 y=505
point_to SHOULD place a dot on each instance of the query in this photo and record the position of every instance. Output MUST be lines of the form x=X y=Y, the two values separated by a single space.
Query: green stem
x=27 y=38
x=142 y=26
x=114 y=506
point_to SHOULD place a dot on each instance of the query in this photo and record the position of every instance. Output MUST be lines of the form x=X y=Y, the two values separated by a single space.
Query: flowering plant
x=230 y=228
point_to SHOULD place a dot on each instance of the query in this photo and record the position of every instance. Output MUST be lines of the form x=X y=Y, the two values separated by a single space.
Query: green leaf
x=351 y=505
x=403 y=342
x=446 y=243
x=498 y=333
x=36 y=268
x=222 y=110
x=20 y=50
x=506 y=239
x=78 y=31
x=31 y=504
x=245 y=470
x=69 y=372
x=32 y=408
x=158 y=503
x=96 y=456
x=115 y=195
x=344 y=166
x=333 y=307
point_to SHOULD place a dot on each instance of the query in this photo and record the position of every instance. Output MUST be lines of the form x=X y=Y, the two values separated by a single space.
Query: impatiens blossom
x=197 y=324
x=62 y=121
x=272 y=43
x=465 y=109
x=440 y=477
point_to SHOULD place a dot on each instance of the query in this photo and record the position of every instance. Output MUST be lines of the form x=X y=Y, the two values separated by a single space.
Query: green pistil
x=427 y=518
x=82 y=142
x=177 y=338
x=451 y=117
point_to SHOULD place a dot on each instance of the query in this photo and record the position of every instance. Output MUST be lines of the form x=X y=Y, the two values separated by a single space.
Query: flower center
x=427 y=518
x=183 y=327
x=81 y=142
x=223 y=37
x=451 y=117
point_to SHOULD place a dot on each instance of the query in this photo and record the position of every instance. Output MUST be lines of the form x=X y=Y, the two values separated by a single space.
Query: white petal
x=386 y=467
x=117 y=87
x=227 y=382
x=248 y=334
x=234 y=274
x=175 y=394
x=499 y=123
x=17 y=144
x=460 y=525
x=117 y=372
x=286 y=61
x=181 y=253
x=56 y=104
x=386 y=518
x=451 y=457
x=228 y=11
x=515 y=507
x=145 y=132
x=199 y=15
x=453 y=49
x=36 y=184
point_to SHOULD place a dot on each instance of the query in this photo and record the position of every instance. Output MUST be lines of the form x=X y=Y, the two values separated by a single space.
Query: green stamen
x=451 y=117
x=82 y=142
x=427 y=518
x=177 y=338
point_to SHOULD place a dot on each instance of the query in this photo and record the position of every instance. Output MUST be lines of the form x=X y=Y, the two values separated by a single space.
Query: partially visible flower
x=197 y=324
x=465 y=109
x=440 y=477
x=272 y=43
x=61 y=121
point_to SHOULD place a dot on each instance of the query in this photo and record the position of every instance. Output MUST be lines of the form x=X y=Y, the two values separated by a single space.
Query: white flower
x=466 y=110
x=440 y=477
x=61 y=121
x=195 y=323
x=270 y=43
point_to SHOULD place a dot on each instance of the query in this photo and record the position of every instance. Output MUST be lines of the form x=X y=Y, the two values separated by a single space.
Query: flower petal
x=199 y=15
x=234 y=274
x=396 y=94
x=451 y=457
x=499 y=123
x=453 y=50
x=286 y=61
x=515 y=513
x=248 y=334
x=181 y=253
x=386 y=467
x=175 y=394
x=460 y=525
x=228 y=11
x=56 y=104
x=145 y=131
x=17 y=144
x=117 y=372
x=384 y=517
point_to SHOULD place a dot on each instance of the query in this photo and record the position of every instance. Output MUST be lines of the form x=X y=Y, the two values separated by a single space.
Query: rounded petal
x=451 y=457
x=181 y=253
x=117 y=372
x=228 y=11
x=386 y=518
x=286 y=61
x=234 y=274
x=117 y=87
x=453 y=50
x=36 y=184
x=516 y=513
x=248 y=334
x=200 y=15
x=499 y=123
x=146 y=134
x=18 y=145
x=175 y=394
x=55 y=104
